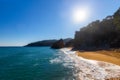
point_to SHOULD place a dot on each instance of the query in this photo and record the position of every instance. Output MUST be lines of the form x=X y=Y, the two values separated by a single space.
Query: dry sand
x=107 y=56
x=95 y=67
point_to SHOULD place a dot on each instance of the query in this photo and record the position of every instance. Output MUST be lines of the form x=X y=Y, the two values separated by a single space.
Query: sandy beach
x=94 y=66
x=107 y=56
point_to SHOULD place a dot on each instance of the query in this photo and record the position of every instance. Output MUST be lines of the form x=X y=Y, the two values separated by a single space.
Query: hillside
x=46 y=42
x=103 y=34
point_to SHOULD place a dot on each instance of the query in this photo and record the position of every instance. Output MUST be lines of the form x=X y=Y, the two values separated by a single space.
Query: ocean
x=34 y=63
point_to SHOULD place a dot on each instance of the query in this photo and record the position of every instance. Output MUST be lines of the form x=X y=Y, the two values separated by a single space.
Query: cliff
x=103 y=34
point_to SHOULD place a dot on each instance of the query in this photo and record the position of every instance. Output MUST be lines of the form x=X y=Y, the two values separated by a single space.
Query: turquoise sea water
x=33 y=63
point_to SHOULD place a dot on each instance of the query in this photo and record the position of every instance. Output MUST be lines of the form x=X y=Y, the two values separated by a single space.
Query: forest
x=103 y=34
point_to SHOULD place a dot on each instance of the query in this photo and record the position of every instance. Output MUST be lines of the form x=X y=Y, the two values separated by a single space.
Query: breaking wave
x=83 y=69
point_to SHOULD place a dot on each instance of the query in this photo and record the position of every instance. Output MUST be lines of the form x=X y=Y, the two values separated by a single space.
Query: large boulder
x=58 y=44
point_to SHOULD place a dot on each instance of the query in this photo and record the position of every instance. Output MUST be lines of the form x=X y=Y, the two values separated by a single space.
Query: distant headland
x=103 y=34
x=54 y=43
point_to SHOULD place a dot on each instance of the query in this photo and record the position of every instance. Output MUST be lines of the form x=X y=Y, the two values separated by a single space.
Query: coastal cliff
x=98 y=34
x=103 y=34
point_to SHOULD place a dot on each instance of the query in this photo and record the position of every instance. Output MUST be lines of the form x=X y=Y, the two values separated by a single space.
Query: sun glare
x=79 y=15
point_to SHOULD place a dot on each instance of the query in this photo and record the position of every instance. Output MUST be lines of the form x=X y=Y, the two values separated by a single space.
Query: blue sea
x=34 y=63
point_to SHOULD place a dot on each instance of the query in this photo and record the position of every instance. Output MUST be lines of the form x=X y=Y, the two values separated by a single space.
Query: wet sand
x=95 y=66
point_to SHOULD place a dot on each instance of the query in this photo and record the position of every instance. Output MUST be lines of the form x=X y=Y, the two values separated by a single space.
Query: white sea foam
x=56 y=60
x=93 y=69
x=85 y=69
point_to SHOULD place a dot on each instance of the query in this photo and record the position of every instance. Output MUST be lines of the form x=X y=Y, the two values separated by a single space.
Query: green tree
x=117 y=19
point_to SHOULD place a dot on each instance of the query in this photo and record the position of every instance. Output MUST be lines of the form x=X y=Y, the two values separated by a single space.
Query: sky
x=25 y=21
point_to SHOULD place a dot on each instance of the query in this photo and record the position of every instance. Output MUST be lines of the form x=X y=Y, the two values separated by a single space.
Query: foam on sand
x=86 y=69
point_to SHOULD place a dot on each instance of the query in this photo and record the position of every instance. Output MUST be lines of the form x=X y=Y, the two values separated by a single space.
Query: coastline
x=92 y=69
x=100 y=56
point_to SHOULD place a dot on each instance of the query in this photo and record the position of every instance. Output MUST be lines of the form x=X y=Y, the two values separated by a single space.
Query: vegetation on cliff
x=100 y=34
x=103 y=34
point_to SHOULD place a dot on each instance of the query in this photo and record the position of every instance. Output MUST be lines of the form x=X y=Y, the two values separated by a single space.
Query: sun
x=79 y=14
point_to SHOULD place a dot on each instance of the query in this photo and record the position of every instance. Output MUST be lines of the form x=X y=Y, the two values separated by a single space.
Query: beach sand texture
x=94 y=68
x=106 y=56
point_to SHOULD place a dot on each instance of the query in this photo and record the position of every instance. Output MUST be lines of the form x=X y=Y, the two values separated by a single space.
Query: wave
x=84 y=69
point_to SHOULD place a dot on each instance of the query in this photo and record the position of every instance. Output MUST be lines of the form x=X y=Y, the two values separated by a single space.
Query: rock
x=58 y=44
x=70 y=43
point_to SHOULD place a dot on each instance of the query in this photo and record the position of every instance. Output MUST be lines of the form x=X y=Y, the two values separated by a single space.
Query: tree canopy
x=100 y=34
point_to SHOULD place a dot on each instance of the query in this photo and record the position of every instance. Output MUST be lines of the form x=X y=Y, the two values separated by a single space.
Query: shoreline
x=93 y=69
x=99 y=56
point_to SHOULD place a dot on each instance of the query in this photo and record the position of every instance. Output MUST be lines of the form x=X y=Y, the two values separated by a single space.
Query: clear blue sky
x=24 y=21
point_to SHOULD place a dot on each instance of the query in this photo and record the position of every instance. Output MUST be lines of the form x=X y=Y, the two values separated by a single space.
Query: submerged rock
x=58 y=44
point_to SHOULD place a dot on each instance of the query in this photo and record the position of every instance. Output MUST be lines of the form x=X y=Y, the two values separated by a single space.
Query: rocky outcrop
x=70 y=43
x=46 y=43
x=103 y=34
x=58 y=44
